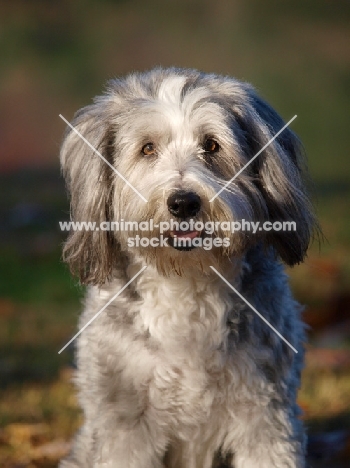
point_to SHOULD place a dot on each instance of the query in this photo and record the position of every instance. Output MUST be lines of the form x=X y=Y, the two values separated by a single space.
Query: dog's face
x=177 y=137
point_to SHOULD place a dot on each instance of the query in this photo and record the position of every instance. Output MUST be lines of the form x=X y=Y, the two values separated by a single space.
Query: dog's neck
x=177 y=310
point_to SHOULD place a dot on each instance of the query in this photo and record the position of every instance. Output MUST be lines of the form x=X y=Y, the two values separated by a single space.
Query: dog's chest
x=183 y=315
x=186 y=323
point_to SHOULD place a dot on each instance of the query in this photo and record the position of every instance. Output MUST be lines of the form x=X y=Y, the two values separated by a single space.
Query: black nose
x=184 y=204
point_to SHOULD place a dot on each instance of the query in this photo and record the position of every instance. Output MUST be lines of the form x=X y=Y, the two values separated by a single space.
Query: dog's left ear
x=281 y=172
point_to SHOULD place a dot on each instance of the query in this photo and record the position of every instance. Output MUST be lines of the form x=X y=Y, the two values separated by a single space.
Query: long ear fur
x=90 y=254
x=280 y=172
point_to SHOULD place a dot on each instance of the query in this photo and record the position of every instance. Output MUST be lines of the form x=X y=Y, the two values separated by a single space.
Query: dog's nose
x=184 y=204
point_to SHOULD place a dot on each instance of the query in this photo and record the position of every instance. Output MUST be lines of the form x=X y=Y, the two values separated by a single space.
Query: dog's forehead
x=170 y=89
x=176 y=104
x=181 y=91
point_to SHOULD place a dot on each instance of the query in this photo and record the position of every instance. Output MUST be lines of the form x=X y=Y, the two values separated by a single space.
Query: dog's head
x=177 y=137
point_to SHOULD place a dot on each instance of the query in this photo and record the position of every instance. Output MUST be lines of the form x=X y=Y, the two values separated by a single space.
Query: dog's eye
x=148 y=149
x=211 y=146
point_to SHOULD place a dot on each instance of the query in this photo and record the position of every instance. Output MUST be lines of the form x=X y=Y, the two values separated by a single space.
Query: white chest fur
x=186 y=312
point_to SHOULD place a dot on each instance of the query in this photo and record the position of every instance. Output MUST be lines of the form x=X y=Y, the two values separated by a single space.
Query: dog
x=179 y=371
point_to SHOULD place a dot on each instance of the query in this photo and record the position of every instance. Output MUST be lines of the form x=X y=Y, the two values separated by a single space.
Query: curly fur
x=178 y=372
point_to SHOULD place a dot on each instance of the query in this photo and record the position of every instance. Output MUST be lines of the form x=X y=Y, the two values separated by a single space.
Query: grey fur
x=178 y=370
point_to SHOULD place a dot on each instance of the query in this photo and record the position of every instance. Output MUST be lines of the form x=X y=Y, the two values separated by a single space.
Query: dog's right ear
x=91 y=254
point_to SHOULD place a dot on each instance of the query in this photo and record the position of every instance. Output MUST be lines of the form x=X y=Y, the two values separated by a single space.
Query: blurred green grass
x=37 y=280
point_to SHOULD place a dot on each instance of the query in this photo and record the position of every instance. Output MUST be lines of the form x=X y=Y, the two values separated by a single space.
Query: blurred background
x=55 y=56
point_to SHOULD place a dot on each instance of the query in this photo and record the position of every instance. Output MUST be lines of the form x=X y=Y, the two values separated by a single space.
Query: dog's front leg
x=139 y=446
x=269 y=439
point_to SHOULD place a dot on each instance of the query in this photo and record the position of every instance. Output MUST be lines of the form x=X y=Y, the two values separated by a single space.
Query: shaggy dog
x=178 y=371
